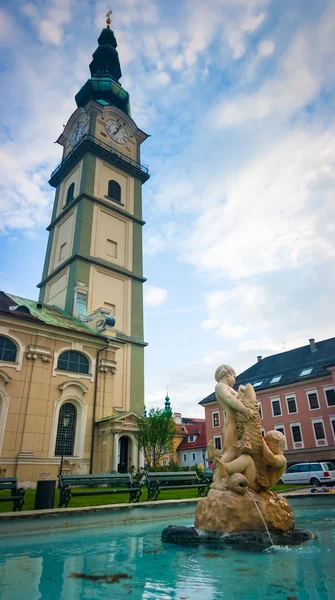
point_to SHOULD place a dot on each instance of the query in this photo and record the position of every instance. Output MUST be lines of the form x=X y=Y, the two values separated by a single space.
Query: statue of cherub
x=272 y=452
x=228 y=399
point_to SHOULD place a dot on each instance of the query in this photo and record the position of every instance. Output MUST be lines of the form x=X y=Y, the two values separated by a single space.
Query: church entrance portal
x=124 y=445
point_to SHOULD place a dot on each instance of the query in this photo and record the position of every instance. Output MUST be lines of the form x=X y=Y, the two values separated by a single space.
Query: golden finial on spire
x=108 y=18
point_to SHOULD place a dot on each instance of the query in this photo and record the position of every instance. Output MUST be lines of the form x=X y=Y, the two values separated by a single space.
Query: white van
x=318 y=473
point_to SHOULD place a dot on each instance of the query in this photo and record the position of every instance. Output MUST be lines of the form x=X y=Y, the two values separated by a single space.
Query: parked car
x=315 y=473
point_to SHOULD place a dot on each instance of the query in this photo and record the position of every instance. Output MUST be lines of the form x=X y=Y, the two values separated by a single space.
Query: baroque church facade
x=72 y=363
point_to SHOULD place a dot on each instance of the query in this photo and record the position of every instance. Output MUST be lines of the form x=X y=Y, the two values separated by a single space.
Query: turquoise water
x=41 y=566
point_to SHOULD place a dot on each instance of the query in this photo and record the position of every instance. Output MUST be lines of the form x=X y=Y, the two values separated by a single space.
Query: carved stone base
x=254 y=541
x=227 y=512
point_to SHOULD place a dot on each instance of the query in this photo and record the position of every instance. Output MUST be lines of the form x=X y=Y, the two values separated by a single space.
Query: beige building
x=72 y=364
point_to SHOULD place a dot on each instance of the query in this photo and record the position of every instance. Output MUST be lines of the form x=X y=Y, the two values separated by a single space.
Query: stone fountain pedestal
x=225 y=519
x=227 y=512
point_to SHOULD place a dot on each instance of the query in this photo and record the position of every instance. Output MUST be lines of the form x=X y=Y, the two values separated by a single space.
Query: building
x=296 y=395
x=72 y=364
x=183 y=425
x=193 y=448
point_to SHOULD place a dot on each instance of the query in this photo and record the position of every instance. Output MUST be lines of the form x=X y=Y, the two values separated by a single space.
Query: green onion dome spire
x=104 y=86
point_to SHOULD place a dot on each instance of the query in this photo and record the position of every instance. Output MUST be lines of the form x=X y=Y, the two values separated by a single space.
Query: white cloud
x=209 y=324
x=162 y=78
x=266 y=47
x=154 y=296
x=49 y=20
x=299 y=78
x=267 y=222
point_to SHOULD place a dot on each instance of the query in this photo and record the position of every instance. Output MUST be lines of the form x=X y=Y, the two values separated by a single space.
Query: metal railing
x=106 y=147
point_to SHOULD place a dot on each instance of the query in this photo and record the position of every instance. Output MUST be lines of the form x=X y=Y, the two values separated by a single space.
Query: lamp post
x=66 y=421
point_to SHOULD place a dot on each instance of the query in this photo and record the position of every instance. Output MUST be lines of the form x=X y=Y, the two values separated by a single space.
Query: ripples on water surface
x=50 y=566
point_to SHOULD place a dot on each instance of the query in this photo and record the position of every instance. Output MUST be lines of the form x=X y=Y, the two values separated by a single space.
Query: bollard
x=45 y=494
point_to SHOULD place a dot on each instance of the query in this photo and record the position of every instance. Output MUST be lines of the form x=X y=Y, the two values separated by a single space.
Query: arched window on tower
x=70 y=193
x=8 y=350
x=73 y=361
x=114 y=190
x=66 y=430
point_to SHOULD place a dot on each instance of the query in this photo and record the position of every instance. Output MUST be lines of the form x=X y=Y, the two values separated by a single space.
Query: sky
x=238 y=99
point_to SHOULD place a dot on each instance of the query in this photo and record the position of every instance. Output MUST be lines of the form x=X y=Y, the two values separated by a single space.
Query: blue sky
x=238 y=98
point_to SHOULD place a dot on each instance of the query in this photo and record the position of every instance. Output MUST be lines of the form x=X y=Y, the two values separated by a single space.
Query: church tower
x=93 y=263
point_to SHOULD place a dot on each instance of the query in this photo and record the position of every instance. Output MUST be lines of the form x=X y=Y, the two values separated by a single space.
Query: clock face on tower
x=78 y=132
x=116 y=131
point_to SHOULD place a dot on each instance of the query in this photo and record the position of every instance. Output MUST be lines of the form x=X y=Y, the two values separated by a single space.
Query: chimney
x=312 y=345
x=177 y=418
x=259 y=358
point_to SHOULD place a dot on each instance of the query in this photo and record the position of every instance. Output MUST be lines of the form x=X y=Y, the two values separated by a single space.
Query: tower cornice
x=89 y=143
x=99 y=262
x=106 y=204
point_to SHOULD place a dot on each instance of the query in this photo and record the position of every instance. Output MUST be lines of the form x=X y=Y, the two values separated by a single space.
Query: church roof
x=199 y=430
x=286 y=368
x=32 y=310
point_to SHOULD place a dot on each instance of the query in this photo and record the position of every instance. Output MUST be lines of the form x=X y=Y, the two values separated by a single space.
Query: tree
x=155 y=434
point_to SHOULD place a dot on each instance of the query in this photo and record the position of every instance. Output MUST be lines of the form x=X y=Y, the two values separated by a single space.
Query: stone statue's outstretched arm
x=273 y=460
x=224 y=397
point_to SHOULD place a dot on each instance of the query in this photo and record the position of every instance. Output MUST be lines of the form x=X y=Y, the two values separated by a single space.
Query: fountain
x=240 y=510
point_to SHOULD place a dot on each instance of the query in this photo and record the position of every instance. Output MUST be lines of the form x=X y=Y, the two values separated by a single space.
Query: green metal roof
x=51 y=315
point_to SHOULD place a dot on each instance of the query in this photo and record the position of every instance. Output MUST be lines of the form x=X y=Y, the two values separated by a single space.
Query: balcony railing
x=93 y=140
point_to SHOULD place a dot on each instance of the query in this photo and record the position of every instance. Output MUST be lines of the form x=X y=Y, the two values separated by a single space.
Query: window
x=263 y=431
x=319 y=432
x=260 y=409
x=281 y=428
x=217 y=442
x=7 y=350
x=163 y=449
x=276 y=379
x=111 y=249
x=66 y=432
x=62 y=251
x=184 y=457
x=305 y=372
x=193 y=455
x=257 y=384
x=276 y=408
x=70 y=193
x=164 y=463
x=330 y=396
x=332 y=423
x=114 y=190
x=73 y=361
x=296 y=435
x=293 y=469
x=313 y=400
x=216 y=419
x=291 y=404
x=191 y=438
x=315 y=467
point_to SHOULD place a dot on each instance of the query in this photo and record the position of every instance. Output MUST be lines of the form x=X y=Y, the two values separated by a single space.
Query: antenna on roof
x=284 y=346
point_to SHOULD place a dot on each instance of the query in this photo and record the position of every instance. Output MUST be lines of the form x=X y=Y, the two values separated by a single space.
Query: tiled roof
x=32 y=310
x=288 y=365
x=199 y=430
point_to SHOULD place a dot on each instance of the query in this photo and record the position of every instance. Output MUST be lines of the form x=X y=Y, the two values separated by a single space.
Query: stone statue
x=248 y=466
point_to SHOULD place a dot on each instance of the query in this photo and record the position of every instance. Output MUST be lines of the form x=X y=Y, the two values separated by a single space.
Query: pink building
x=296 y=394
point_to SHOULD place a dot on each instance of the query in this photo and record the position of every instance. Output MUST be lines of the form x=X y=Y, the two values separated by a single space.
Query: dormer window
x=191 y=438
x=305 y=372
x=276 y=379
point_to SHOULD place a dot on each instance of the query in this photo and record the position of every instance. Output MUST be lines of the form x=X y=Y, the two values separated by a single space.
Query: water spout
x=261 y=516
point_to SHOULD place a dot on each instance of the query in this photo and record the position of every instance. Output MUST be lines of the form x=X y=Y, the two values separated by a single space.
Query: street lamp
x=66 y=422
